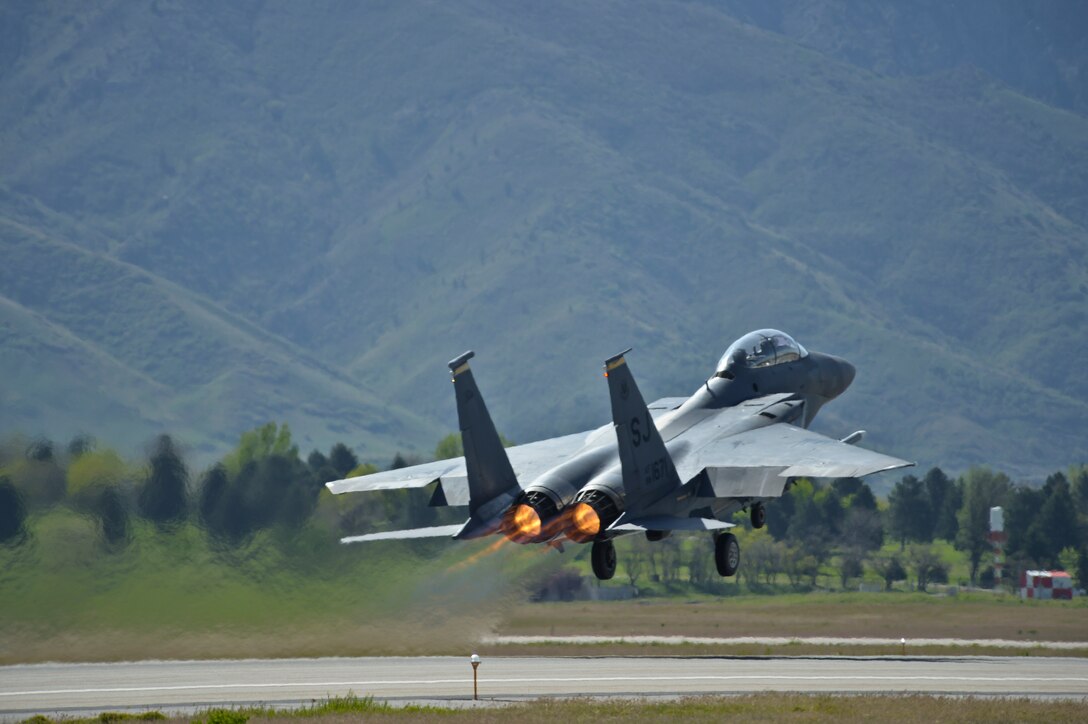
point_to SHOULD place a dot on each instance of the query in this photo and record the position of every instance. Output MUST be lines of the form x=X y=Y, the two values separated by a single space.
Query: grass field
x=177 y=595
x=851 y=615
x=757 y=707
x=887 y=615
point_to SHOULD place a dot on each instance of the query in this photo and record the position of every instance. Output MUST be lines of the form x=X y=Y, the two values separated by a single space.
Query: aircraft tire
x=604 y=559
x=726 y=554
x=759 y=515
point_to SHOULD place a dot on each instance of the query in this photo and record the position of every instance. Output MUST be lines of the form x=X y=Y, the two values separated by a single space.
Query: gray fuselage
x=808 y=383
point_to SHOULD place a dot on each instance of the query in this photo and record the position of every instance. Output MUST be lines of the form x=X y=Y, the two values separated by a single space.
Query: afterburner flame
x=522 y=524
x=584 y=523
x=493 y=548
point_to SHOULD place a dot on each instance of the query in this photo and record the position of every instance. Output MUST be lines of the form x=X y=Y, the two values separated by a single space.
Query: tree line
x=264 y=483
x=839 y=525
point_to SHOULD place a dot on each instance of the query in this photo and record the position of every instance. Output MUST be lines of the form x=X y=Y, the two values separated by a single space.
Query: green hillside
x=214 y=216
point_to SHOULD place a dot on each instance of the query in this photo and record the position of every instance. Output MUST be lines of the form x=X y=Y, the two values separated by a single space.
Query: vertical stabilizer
x=648 y=470
x=487 y=465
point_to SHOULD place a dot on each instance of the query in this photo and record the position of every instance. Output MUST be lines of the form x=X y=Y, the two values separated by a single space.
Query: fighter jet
x=677 y=465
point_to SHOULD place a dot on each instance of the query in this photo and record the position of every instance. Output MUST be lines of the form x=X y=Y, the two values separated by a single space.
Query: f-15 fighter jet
x=679 y=464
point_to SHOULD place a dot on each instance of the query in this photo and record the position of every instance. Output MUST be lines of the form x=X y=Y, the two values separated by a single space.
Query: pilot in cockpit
x=766 y=351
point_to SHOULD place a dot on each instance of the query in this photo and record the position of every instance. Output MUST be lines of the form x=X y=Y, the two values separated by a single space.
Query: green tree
x=780 y=513
x=1081 y=574
x=80 y=445
x=342 y=459
x=926 y=564
x=322 y=469
x=846 y=487
x=108 y=506
x=982 y=490
x=890 y=569
x=451 y=447
x=1078 y=482
x=938 y=487
x=863 y=499
x=1021 y=510
x=96 y=469
x=40 y=450
x=634 y=564
x=260 y=442
x=806 y=521
x=40 y=482
x=862 y=530
x=831 y=511
x=12 y=512
x=164 y=497
x=317 y=460
x=273 y=490
x=700 y=559
x=909 y=512
x=946 y=524
x=851 y=565
x=1068 y=559
x=212 y=503
x=1055 y=526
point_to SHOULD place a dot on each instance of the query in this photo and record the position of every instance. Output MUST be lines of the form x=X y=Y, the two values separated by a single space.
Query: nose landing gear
x=758 y=514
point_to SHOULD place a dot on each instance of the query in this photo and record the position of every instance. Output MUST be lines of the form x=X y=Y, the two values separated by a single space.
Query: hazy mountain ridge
x=384 y=188
x=172 y=360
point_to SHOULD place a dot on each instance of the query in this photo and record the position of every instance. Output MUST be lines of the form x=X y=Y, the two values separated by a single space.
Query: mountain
x=213 y=215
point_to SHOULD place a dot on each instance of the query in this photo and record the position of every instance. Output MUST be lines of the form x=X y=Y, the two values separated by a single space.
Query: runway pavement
x=183 y=685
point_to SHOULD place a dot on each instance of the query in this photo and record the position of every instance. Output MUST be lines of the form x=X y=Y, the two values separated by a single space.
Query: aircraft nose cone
x=848 y=372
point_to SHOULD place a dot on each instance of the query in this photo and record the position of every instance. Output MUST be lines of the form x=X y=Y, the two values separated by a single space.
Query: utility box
x=1046 y=585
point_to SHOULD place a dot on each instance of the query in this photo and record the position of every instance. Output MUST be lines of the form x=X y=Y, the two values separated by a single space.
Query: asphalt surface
x=185 y=685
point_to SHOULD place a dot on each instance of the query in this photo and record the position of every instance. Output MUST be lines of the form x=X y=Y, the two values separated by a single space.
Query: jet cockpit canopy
x=761 y=348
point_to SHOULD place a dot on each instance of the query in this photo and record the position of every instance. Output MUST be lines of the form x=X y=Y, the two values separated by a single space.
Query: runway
x=183 y=685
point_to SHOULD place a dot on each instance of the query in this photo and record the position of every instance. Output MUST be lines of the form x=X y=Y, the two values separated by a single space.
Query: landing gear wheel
x=604 y=559
x=726 y=554
x=759 y=515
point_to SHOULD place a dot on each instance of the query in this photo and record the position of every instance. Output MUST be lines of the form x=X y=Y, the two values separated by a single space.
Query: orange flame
x=522 y=524
x=584 y=523
x=494 y=547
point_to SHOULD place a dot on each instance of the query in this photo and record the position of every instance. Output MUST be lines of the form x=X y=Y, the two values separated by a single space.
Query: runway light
x=475 y=661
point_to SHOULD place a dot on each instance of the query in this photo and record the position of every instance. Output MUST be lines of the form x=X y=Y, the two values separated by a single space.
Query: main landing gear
x=604 y=559
x=726 y=554
x=758 y=514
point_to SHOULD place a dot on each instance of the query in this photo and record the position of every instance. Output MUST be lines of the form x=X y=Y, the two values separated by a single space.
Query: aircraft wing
x=757 y=463
x=528 y=461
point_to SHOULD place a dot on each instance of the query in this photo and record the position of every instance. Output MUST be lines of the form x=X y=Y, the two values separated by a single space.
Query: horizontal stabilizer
x=389 y=480
x=668 y=522
x=437 y=532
